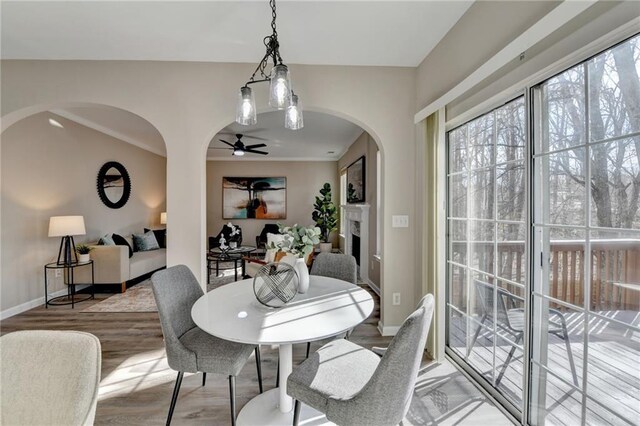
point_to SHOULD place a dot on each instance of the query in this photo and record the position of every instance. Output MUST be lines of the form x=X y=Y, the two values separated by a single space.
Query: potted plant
x=234 y=236
x=325 y=215
x=298 y=242
x=83 y=251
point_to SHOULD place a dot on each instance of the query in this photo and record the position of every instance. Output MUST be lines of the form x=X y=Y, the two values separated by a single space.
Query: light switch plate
x=400 y=221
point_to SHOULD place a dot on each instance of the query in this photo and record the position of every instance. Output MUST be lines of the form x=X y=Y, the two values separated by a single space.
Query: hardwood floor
x=136 y=381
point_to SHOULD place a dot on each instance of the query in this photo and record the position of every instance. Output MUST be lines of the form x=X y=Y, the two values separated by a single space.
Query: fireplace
x=356 y=240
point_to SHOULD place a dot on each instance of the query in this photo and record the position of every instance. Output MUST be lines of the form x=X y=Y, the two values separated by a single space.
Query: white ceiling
x=321 y=133
x=380 y=33
x=117 y=123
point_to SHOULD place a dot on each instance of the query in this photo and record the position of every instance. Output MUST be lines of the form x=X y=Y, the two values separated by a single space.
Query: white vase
x=303 y=275
x=83 y=258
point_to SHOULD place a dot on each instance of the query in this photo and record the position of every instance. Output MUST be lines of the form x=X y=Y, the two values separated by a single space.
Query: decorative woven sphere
x=275 y=284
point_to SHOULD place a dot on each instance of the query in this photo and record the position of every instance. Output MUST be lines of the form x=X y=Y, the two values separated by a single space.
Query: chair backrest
x=335 y=265
x=269 y=228
x=176 y=290
x=385 y=398
x=49 y=377
x=505 y=301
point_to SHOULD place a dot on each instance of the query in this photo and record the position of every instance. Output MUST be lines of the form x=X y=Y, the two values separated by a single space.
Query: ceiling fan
x=239 y=148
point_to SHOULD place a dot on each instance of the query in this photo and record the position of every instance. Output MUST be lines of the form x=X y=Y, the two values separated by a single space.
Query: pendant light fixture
x=281 y=95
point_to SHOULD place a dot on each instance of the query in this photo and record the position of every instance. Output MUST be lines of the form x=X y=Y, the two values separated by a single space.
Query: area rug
x=139 y=298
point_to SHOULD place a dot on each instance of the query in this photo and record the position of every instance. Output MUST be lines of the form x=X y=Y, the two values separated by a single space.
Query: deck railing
x=614 y=269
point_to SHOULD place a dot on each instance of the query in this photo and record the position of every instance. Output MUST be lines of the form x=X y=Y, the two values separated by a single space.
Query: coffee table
x=234 y=255
x=231 y=312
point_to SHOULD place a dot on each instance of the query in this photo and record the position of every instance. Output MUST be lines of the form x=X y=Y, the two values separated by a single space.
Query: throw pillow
x=107 y=240
x=270 y=255
x=161 y=236
x=119 y=240
x=145 y=242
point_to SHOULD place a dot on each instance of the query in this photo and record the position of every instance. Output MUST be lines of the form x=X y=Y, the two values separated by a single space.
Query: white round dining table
x=232 y=312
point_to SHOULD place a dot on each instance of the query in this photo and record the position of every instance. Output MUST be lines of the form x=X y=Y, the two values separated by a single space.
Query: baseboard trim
x=7 y=313
x=387 y=331
x=373 y=287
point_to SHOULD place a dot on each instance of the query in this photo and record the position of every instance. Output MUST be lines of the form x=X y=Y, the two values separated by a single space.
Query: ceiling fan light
x=293 y=119
x=280 y=87
x=238 y=152
x=246 y=112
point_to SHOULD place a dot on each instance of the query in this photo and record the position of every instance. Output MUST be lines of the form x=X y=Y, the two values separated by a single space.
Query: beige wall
x=190 y=102
x=48 y=171
x=483 y=30
x=304 y=180
x=365 y=145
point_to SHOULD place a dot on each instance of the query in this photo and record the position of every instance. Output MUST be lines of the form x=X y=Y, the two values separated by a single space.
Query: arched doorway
x=51 y=155
x=328 y=137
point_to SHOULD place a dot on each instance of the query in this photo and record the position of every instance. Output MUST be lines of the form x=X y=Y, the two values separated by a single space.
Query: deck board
x=613 y=374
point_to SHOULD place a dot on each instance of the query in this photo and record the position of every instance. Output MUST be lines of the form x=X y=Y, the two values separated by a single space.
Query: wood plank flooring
x=137 y=383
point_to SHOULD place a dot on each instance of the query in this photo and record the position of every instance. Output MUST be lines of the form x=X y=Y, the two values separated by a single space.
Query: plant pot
x=83 y=258
x=303 y=275
x=233 y=244
x=326 y=247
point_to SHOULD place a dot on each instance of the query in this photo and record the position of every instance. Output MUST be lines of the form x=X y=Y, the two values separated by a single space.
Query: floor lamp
x=66 y=227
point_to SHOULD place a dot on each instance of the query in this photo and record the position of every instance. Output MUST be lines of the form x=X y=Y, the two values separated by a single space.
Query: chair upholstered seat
x=353 y=386
x=213 y=355
x=338 y=370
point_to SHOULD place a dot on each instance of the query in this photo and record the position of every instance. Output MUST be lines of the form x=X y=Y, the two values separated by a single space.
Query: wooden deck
x=613 y=379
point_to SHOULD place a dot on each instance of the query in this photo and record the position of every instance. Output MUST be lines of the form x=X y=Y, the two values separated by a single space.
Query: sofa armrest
x=110 y=263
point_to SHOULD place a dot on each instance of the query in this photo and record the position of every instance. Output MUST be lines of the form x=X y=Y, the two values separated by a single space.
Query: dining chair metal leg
x=259 y=367
x=174 y=398
x=308 y=349
x=565 y=337
x=296 y=413
x=204 y=378
x=476 y=334
x=508 y=360
x=232 y=399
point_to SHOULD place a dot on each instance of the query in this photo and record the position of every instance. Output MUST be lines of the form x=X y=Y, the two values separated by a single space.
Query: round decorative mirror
x=114 y=185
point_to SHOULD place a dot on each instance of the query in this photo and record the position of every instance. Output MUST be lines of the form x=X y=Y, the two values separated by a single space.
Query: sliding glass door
x=543 y=286
x=487 y=250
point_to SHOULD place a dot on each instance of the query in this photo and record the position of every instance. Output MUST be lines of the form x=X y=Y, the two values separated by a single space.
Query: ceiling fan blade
x=228 y=143
x=258 y=138
x=258 y=145
x=253 y=151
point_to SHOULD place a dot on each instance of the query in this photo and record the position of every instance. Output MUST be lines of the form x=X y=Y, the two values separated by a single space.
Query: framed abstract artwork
x=356 y=181
x=254 y=198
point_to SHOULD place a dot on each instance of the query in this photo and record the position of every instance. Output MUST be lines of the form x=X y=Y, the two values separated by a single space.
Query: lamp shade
x=163 y=218
x=61 y=226
x=280 y=87
x=293 y=117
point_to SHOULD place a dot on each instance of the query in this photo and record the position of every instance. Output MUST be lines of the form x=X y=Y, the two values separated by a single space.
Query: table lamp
x=163 y=218
x=66 y=227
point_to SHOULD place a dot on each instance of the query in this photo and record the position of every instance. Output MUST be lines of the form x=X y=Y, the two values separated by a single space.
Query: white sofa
x=112 y=265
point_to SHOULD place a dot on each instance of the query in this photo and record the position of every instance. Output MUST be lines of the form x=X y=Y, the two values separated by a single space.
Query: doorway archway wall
x=189 y=102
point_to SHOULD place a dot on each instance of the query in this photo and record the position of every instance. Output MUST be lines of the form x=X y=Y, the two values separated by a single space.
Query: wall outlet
x=396 y=299
x=400 y=221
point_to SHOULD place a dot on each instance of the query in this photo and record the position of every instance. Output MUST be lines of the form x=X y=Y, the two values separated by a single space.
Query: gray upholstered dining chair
x=352 y=385
x=49 y=377
x=189 y=348
x=335 y=265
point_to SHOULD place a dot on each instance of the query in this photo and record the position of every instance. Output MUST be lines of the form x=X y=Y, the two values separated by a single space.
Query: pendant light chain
x=281 y=95
x=273 y=49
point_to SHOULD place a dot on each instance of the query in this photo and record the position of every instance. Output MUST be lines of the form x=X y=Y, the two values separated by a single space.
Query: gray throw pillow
x=107 y=240
x=145 y=242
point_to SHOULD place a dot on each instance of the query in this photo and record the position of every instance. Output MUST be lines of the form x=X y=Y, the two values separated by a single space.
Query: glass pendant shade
x=293 y=118
x=246 y=113
x=280 y=89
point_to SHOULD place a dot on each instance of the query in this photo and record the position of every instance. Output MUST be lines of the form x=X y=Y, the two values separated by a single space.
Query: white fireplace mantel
x=358 y=213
